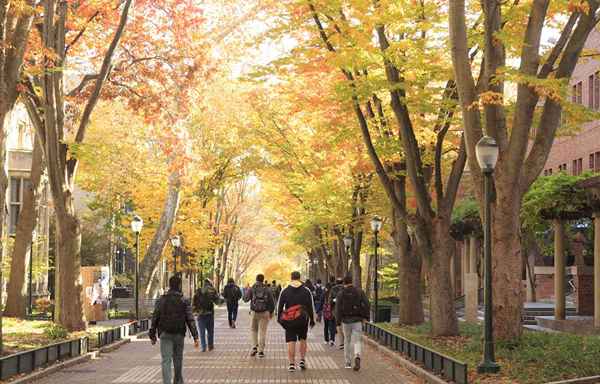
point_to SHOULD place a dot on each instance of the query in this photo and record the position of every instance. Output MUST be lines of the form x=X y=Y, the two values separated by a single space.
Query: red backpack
x=327 y=312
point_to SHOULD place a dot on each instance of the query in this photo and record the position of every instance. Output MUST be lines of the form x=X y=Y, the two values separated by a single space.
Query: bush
x=44 y=305
x=55 y=332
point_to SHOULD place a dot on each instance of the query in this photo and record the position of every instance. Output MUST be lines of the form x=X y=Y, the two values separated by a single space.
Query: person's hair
x=295 y=275
x=318 y=281
x=328 y=286
x=260 y=278
x=274 y=282
x=175 y=283
x=348 y=279
x=231 y=281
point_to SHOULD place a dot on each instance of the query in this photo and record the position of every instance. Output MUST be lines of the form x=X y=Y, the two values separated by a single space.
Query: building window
x=597 y=90
x=17 y=185
x=591 y=92
x=562 y=167
x=595 y=161
x=577 y=167
x=577 y=96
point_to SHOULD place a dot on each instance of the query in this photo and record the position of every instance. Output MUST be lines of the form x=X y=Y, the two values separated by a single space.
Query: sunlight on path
x=139 y=362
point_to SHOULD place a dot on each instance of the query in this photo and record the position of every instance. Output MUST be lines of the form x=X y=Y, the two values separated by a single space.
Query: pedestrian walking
x=296 y=312
x=351 y=311
x=319 y=298
x=171 y=316
x=276 y=289
x=262 y=306
x=232 y=295
x=204 y=306
x=335 y=290
x=329 y=326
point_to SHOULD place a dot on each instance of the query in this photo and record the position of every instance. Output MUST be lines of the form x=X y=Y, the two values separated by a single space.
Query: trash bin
x=384 y=314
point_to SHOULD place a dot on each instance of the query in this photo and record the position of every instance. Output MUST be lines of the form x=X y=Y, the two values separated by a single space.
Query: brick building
x=581 y=152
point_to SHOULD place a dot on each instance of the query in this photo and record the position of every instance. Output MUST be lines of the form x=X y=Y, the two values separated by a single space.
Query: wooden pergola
x=591 y=186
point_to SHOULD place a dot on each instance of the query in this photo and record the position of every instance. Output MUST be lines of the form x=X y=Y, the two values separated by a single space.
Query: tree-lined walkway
x=230 y=363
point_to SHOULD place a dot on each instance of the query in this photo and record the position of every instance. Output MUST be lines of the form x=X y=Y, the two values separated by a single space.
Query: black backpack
x=352 y=303
x=260 y=297
x=172 y=314
x=205 y=298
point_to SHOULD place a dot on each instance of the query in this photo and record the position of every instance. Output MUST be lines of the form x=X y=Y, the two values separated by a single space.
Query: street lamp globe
x=376 y=224
x=137 y=224
x=348 y=241
x=175 y=241
x=486 y=151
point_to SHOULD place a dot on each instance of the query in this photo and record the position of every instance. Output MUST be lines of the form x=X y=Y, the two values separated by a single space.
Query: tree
x=524 y=128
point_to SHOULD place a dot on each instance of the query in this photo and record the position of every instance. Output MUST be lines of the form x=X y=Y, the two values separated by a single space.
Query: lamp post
x=376 y=224
x=136 y=226
x=348 y=243
x=176 y=243
x=487 y=157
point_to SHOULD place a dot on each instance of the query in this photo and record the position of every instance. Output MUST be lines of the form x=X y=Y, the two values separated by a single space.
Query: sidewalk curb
x=427 y=377
x=40 y=374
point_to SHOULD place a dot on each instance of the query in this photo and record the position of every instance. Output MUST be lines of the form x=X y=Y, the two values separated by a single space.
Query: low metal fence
x=28 y=361
x=435 y=362
x=119 y=333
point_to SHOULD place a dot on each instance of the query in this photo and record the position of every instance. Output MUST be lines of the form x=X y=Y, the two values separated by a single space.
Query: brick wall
x=587 y=140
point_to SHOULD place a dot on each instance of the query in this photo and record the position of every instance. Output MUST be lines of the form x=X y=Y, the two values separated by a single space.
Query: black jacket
x=232 y=293
x=188 y=319
x=295 y=294
x=363 y=304
x=270 y=300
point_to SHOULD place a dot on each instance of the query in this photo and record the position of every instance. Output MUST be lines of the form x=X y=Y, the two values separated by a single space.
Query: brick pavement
x=230 y=363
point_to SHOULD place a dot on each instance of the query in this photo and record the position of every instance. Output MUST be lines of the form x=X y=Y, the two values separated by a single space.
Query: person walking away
x=308 y=284
x=276 y=290
x=204 y=306
x=329 y=326
x=352 y=310
x=335 y=290
x=232 y=295
x=262 y=306
x=319 y=298
x=171 y=316
x=296 y=312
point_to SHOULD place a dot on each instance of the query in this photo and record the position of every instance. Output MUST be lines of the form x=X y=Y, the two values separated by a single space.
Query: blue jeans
x=171 y=351
x=206 y=326
x=232 y=312
x=329 y=330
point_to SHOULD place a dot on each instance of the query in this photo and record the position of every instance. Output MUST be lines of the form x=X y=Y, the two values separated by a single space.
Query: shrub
x=55 y=332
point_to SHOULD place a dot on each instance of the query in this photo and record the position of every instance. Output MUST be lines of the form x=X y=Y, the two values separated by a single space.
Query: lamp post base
x=488 y=367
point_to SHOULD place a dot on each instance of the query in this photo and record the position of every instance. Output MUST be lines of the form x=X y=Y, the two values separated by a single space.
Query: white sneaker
x=348 y=365
x=331 y=343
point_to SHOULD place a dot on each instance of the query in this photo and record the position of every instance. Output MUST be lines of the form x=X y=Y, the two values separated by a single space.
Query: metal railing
x=119 y=333
x=28 y=361
x=435 y=362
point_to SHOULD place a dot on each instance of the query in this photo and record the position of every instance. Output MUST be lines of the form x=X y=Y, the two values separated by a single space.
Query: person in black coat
x=232 y=295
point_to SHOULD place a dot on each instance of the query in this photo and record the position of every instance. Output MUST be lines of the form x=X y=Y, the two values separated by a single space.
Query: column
x=472 y=283
x=559 y=270
x=464 y=263
x=597 y=269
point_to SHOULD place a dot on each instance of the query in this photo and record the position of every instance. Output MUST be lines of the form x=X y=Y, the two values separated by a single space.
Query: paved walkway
x=230 y=363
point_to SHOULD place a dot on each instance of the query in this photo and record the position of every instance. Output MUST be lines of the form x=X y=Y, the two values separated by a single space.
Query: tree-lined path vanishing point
x=139 y=362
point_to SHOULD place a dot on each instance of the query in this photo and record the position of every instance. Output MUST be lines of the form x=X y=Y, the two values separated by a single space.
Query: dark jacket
x=186 y=319
x=333 y=294
x=270 y=301
x=297 y=294
x=208 y=295
x=363 y=307
x=319 y=298
x=232 y=293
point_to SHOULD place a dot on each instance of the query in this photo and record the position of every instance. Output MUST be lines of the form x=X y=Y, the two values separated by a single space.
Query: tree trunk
x=69 y=311
x=161 y=236
x=409 y=275
x=444 y=321
x=17 y=291
x=506 y=265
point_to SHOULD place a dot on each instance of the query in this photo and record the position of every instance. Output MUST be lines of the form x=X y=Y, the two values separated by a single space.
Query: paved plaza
x=230 y=362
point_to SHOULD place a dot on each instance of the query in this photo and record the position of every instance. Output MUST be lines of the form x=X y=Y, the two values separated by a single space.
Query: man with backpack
x=262 y=307
x=171 y=316
x=352 y=309
x=329 y=329
x=204 y=306
x=296 y=312
x=335 y=290
x=232 y=294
